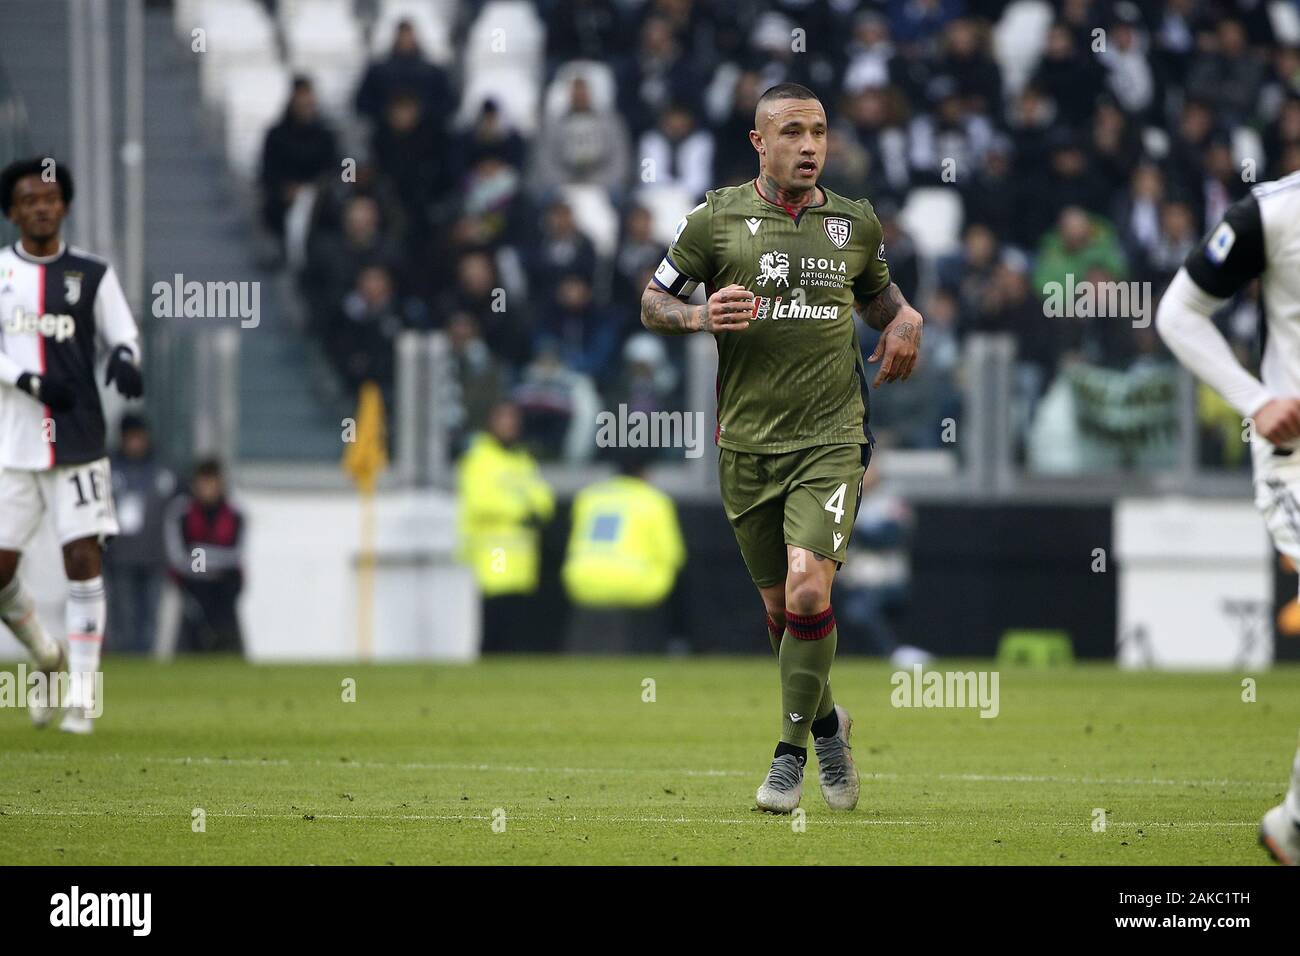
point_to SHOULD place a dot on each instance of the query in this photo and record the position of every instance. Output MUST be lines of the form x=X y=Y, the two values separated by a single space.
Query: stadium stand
x=1006 y=145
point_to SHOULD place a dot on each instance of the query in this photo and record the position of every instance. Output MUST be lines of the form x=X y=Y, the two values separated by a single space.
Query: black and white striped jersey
x=1259 y=237
x=57 y=314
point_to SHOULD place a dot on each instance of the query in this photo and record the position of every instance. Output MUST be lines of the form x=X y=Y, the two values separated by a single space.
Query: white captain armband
x=676 y=283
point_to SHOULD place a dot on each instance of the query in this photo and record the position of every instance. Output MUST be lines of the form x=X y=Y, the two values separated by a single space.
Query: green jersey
x=795 y=378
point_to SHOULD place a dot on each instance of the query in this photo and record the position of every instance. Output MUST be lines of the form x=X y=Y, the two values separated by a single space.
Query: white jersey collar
x=39 y=260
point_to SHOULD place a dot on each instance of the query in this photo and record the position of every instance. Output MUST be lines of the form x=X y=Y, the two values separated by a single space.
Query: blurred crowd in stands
x=1104 y=159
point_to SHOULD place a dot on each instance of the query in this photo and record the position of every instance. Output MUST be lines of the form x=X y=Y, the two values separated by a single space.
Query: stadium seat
x=324 y=42
x=667 y=204
x=237 y=35
x=506 y=31
x=932 y=216
x=515 y=91
x=1246 y=144
x=1285 y=19
x=255 y=98
x=600 y=82
x=185 y=16
x=290 y=11
x=431 y=21
x=1018 y=41
x=595 y=216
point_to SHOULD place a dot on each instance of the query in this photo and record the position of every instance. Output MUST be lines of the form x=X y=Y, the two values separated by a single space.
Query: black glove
x=57 y=396
x=123 y=370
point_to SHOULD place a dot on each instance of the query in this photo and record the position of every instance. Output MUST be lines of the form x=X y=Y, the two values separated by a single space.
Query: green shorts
x=806 y=498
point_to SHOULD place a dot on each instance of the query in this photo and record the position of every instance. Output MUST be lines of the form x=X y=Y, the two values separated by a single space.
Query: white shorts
x=77 y=498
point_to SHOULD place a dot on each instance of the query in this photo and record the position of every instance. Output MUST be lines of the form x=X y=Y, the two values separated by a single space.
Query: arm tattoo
x=881 y=310
x=666 y=314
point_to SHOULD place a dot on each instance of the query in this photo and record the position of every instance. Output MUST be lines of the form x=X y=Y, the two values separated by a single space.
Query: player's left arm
x=900 y=326
x=883 y=307
x=119 y=336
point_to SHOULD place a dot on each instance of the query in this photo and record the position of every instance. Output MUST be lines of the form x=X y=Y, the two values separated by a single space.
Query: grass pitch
x=582 y=770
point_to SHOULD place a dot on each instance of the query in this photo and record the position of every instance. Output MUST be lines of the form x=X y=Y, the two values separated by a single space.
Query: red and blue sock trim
x=810 y=627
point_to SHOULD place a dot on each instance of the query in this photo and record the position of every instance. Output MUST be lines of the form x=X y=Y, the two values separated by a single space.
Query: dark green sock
x=827 y=702
x=807 y=650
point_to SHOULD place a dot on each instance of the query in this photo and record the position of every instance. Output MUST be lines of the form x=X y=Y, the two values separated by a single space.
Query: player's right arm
x=58 y=397
x=728 y=310
x=1224 y=263
x=688 y=262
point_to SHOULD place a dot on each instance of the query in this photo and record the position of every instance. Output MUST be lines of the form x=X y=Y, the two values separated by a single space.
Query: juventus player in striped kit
x=59 y=308
x=1258 y=238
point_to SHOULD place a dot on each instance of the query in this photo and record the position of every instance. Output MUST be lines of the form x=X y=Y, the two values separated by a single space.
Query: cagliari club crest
x=72 y=288
x=838 y=230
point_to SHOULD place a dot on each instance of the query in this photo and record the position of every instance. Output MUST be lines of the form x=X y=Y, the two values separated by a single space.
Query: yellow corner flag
x=365 y=460
x=366 y=456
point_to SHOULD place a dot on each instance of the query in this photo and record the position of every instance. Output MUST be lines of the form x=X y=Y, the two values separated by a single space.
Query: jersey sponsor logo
x=824 y=265
x=766 y=307
x=774 y=267
x=60 y=327
x=753 y=225
x=72 y=287
x=838 y=230
x=1220 y=244
x=823 y=272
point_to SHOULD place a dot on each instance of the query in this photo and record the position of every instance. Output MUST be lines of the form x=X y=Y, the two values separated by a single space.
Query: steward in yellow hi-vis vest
x=503 y=503
x=626 y=546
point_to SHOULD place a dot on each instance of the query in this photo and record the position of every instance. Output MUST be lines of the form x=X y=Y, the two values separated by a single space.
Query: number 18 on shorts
x=78 y=499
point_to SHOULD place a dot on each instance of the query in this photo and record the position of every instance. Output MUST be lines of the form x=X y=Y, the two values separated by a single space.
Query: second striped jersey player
x=61 y=310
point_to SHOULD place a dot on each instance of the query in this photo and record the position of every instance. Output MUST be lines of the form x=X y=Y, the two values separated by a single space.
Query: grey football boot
x=835 y=768
x=783 y=788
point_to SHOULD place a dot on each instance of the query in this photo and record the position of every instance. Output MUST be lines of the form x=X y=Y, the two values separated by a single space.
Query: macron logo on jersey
x=59 y=327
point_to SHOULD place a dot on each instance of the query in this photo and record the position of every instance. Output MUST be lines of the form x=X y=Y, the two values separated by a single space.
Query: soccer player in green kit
x=784 y=263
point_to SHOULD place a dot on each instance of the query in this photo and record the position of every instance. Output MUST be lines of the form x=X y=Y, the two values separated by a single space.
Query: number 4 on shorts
x=835 y=503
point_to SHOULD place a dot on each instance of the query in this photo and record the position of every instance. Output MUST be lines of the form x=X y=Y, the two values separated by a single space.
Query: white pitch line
x=610 y=771
x=755 y=818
